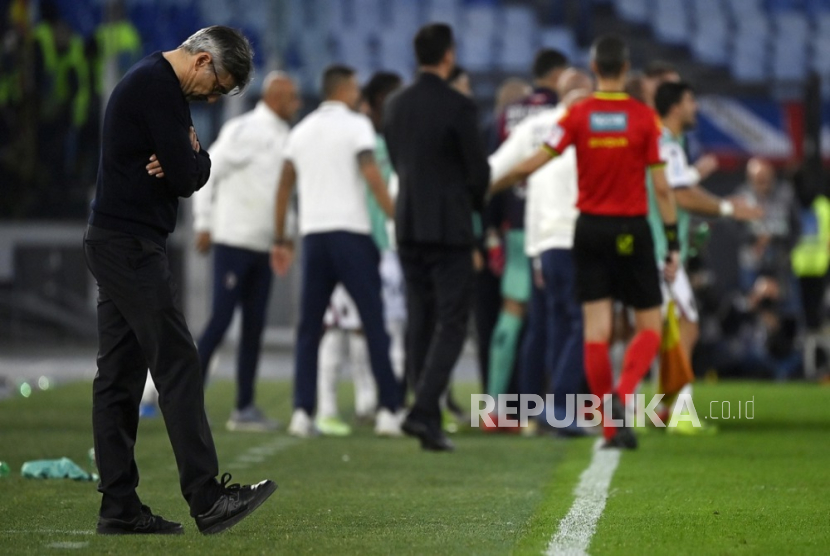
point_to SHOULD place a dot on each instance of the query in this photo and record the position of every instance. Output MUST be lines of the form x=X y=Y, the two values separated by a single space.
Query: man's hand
x=203 y=242
x=194 y=140
x=154 y=168
x=282 y=255
x=745 y=211
x=671 y=266
x=707 y=165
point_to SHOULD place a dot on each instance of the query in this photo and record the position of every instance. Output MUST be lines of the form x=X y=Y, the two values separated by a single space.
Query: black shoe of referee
x=624 y=437
x=145 y=523
x=234 y=504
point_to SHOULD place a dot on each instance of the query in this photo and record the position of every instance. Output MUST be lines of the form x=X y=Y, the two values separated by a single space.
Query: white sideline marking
x=577 y=528
x=259 y=454
x=68 y=545
x=46 y=532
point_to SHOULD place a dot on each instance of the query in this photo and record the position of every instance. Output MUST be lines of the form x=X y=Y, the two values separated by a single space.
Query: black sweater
x=147 y=114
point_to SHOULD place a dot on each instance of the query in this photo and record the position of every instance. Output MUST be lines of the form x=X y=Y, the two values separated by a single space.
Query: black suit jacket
x=434 y=144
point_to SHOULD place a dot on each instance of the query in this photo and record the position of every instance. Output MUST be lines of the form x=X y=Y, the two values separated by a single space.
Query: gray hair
x=229 y=49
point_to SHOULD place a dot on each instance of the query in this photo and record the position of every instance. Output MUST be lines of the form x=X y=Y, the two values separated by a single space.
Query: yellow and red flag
x=675 y=367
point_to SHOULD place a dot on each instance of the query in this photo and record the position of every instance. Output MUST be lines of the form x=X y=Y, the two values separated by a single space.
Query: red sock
x=638 y=357
x=598 y=372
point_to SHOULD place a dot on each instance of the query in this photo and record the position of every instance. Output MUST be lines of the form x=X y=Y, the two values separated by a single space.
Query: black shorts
x=614 y=258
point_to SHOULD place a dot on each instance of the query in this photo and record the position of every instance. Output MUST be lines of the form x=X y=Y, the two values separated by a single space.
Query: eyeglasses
x=218 y=89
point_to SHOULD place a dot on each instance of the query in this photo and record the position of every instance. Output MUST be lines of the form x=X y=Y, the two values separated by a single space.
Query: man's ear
x=202 y=60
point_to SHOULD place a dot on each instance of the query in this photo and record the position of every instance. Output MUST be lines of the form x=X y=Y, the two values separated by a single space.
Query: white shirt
x=679 y=173
x=550 y=209
x=324 y=148
x=236 y=205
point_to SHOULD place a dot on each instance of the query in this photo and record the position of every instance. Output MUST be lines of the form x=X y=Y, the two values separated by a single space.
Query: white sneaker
x=302 y=426
x=388 y=423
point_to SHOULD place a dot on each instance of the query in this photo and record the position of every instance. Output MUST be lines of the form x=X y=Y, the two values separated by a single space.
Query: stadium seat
x=709 y=40
x=670 y=22
x=395 y=52
x=789 y=61
x=405 y=15
x=560 y=38
x=352 y=49
x=748 y=62
x=820 y=60
x=635 y=11
x=517 y=40
x=445 y=11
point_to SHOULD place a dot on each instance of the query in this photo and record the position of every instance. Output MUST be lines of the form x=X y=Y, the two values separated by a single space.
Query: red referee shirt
x=616 y=139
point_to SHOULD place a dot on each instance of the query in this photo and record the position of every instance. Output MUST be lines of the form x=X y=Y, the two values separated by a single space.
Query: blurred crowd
x=52 y=81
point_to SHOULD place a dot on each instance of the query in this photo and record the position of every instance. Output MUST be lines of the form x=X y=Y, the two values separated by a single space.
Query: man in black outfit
x=150 y=157
x=432 y=134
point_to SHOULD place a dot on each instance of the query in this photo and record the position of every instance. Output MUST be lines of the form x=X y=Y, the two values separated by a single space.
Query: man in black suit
x=433 y=140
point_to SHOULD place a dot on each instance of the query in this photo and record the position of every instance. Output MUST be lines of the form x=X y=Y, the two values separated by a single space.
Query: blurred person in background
x=676 y=105
x=762 y=333
x=63 y=84
x=766 y=244
x=490 y=258
x=344 y=342
x=436 y=150
x=150 y=157
x=233 y=216
x=551 y=356
x=330 y=157
x=505 y=223
x=810 y=258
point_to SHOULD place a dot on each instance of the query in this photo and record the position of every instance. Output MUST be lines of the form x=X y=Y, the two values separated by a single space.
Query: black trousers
x=439 y=294
x=141 y=326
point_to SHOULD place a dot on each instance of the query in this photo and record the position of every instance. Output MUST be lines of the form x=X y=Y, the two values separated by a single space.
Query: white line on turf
x=68 y=545
x=46 y=532
x=577 y=528
x=258 y=454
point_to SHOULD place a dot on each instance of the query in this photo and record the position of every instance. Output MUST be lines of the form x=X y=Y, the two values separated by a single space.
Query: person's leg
x=516 y=286
x=121 y=371
x=357 y=262
x=487 y=309
x=641 y=351
x=451 y=272
x=420 y=308
x=332 y=353
x=365 y=391
x=254 y=293
x=319 y=280
x=568 y=372
x=147 y=296
x=228 y=267
x=532 y=370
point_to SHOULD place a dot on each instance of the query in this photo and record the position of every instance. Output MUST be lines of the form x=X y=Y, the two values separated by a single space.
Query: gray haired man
x=150 y=157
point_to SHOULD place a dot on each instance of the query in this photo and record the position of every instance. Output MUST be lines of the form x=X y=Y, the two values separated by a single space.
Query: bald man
x=233 y=216
x=551 y=352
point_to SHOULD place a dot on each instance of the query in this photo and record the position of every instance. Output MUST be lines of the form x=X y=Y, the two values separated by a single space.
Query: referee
x=617 y=141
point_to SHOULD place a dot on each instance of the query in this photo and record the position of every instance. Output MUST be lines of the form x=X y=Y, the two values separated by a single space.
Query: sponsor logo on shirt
x=609 y=121
x=608 y=142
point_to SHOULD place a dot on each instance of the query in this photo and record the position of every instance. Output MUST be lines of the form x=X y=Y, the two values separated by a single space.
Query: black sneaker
x=624 y=438
x=234 y=504
x=144 y=524
x=432 y=438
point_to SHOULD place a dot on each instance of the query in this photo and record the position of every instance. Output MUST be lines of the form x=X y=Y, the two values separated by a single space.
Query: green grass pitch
x=761 y=486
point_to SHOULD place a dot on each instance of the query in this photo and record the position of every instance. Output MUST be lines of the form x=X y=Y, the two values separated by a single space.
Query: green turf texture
x=761 y=486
